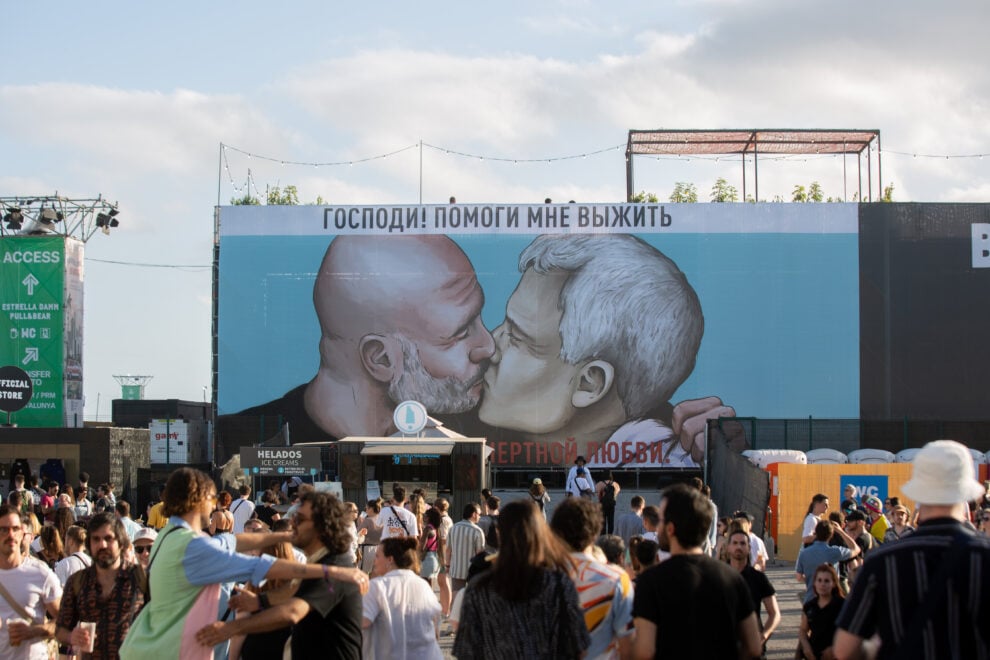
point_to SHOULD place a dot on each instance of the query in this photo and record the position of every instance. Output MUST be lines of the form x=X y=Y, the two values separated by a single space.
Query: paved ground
x=784 y=641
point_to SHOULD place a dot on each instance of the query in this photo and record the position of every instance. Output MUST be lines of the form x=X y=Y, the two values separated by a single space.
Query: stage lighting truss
x=57 y=215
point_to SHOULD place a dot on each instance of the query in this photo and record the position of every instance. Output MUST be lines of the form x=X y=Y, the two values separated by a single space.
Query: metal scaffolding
x=754 y=142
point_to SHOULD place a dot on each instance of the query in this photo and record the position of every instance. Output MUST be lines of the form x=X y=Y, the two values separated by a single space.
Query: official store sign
x=288 y=461
x=15 y=389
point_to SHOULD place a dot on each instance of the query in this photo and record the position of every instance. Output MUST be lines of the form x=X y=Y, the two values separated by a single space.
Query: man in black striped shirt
x=925 y=595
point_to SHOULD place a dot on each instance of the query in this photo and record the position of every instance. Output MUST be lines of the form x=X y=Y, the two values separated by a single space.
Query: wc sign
x=865 y=484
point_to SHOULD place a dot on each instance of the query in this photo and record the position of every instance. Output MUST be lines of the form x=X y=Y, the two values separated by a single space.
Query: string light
x=542 y=159
x=282 y=161
x=795 y=158
x=523 y=160
x=946 y=156
x=190 y=267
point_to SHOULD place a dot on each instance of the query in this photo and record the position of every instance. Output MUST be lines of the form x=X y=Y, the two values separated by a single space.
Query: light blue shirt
x=214 y=559
x=813 y=556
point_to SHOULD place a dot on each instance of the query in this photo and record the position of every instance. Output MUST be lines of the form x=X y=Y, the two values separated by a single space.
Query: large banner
x=554 y=330
x=41 y=283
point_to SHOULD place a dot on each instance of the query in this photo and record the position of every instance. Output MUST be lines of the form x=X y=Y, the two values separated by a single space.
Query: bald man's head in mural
x=599 y=331
x=400 y=319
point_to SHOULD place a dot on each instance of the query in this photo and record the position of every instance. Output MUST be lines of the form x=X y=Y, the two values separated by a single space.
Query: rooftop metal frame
x=754 y=142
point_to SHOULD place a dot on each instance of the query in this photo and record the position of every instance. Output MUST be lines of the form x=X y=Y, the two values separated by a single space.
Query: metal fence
x=736 y=483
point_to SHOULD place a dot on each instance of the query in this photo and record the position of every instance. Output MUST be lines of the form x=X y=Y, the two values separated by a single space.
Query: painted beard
x=439 y=395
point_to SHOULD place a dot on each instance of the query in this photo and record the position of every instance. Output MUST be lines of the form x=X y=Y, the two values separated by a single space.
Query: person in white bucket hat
x=924 y=595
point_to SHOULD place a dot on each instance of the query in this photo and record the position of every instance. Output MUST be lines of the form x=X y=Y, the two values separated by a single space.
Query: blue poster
x=865 y=484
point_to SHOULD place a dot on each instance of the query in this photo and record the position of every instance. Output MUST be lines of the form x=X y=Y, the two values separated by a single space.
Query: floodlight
x=14 y=218
x=58 y=215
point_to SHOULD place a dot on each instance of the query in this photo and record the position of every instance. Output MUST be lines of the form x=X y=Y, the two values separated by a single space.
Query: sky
x=133 y=102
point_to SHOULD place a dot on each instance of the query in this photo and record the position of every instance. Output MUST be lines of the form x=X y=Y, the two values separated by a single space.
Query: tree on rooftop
x=723 y=192
x=288 y=196
x=246 y=200
x=684 y=193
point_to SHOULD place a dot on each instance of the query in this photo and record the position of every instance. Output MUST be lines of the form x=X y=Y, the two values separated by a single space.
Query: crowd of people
x=881 y=581
x=319 y=577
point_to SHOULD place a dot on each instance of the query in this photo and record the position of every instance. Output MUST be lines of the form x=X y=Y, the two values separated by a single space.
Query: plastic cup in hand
x=90 y=627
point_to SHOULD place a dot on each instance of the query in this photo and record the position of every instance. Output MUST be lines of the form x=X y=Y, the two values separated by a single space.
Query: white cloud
x=134 y=131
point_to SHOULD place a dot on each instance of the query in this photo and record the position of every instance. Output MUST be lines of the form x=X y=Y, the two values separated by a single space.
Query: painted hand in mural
x=690 y=420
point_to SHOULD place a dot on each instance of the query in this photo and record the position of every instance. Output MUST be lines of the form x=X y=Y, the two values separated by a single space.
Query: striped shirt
x=465 y=540
x=606 y=597
x=896 y=580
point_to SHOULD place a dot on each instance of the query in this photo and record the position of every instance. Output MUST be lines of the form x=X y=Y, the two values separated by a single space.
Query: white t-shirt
x=71 y=564
x=403 y=609
x=445 y=524
x=570 y=485
x=810 y=521
x=389 y=518
x=757 y=549
x=243 y=510
x=32 y=585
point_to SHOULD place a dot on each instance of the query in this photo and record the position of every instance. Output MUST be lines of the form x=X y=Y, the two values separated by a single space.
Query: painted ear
x=594 y=382
x=380 y=357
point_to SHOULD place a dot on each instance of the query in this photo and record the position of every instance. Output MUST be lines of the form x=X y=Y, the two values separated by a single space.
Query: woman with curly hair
x=187 y=566
x=222 y=520
x=527 y=591
x=400 y=611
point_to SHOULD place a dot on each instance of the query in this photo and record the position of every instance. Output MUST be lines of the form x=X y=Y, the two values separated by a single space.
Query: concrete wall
x=109 y=454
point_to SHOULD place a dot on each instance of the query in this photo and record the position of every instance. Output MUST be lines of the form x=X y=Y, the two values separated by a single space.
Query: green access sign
x=32 y=296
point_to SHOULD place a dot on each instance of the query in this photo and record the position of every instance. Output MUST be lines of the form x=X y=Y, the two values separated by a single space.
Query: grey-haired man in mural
x=597 y=337
x=400 y=319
